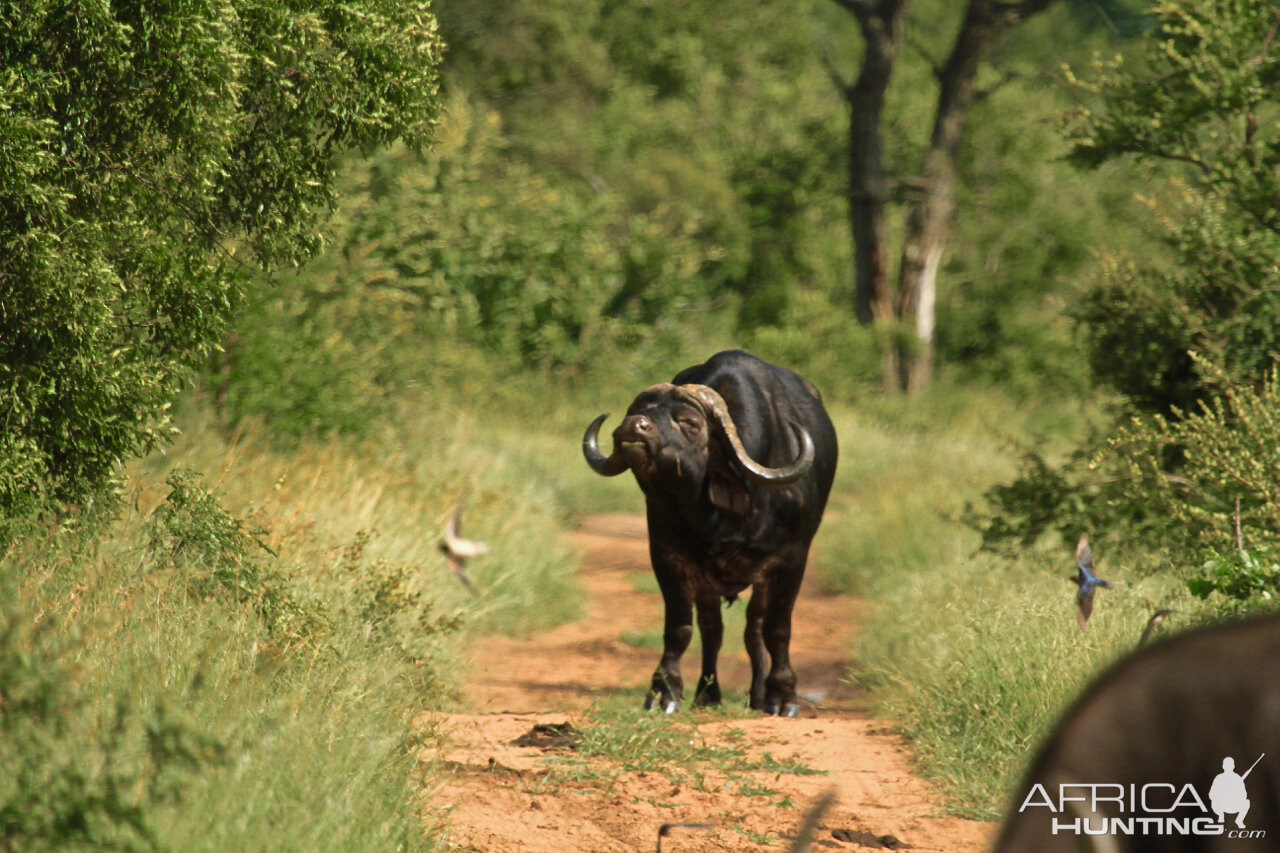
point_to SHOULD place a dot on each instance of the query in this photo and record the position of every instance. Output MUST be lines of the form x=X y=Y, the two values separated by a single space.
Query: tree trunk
x=931 y=210
x=881 y=25
x=927 y=226
x=911 y=312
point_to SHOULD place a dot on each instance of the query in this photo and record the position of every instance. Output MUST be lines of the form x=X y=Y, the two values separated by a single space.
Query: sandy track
x=495 y=797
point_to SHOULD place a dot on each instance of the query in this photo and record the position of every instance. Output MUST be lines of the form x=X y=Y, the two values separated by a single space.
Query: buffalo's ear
x=728 y=493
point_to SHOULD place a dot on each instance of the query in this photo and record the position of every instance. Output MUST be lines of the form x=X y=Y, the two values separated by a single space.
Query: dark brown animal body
x=735 y=458
x=1165 y=718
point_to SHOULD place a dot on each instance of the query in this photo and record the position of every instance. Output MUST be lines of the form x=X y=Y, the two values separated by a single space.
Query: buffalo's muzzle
x=635 y=438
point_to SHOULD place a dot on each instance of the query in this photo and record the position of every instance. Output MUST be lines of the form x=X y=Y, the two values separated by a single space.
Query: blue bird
x=1086 y=579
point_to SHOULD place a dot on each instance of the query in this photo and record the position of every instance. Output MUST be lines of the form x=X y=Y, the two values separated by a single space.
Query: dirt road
x=500 y=797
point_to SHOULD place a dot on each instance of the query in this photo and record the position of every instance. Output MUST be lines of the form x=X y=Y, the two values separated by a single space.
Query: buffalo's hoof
x=707 y=697
x=791 y=709
x=653 y=702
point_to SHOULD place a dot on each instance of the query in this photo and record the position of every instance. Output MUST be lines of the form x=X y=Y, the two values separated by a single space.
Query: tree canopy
x=1189 y=337
x=1203 y=98
x=150 y=154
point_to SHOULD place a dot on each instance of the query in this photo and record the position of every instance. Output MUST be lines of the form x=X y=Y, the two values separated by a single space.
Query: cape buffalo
x=735 y=458
x=1176 y=748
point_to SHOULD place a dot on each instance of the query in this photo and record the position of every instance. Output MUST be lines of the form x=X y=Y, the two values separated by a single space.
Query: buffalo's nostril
x=635 y=426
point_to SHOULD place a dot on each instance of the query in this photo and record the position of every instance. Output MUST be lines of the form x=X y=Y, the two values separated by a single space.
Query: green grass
x=907 y=472
x=989 y=656
x=615 y=740
x=141 y=712
x=235 y=662
x=244 y=674
x=971 y=656
x=643 y=639
x=389 y=497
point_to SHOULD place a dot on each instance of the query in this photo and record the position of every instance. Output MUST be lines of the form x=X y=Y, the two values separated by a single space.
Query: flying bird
x=457 y=550
x=1087 y=580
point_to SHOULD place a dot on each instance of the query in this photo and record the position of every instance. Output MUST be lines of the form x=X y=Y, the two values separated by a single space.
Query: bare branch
x=1271 y=35
x=919 y=48
x=860 y=9
x=845 y=88
x=811 y=820
x=1106 y=19
x=1016 y=12
x=980 y=95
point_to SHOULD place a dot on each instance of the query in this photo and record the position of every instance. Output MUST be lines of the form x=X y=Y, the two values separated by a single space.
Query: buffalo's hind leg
x=780 y=684
x=711 y=629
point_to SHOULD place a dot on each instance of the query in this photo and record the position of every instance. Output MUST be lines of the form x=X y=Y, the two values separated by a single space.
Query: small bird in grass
x=1087 y=580
x=457 y=550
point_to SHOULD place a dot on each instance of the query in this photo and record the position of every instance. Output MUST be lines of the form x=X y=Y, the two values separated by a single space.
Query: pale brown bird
x=457 y=550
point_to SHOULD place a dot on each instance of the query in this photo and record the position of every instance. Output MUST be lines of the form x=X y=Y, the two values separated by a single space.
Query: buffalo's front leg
x=753 y=639
x=780 y=684
x=667 y=686
x=711 y=629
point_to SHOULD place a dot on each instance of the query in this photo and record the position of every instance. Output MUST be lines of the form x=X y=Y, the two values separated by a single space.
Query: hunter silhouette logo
x=1227 y=794
x=1151 y=809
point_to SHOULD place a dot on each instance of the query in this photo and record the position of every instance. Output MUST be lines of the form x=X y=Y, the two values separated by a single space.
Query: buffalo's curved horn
x=606 y=466
x=715 y=404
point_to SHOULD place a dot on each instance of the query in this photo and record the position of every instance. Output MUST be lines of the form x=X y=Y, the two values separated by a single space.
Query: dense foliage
x=150 y=153
x=1189 y=341
x=614 y=190
x=619 y=190
x=1203 y=96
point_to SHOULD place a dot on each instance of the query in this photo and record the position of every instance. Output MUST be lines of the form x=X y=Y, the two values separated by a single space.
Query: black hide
x=716 y=530
x=1164 y=718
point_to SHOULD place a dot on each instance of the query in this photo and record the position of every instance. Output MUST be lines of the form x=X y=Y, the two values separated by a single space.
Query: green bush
x=149 y=155
x=1201 y=99
x=465 y=249
x=1209 y=472
x=1241 y=579
x=218 y=554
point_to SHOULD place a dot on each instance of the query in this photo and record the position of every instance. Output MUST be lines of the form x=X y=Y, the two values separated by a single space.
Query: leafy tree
x=911 y=303
x=150 y=154
x=709 y=123
x=1190 y=340
x=722 y=122
x=1204 y=98
x=617 y=184
x=1229 y=453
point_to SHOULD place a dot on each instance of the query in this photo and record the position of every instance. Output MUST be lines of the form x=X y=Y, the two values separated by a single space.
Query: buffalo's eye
x=689 y=424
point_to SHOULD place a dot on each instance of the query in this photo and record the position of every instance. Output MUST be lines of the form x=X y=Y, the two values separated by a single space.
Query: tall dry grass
x=235 y=661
